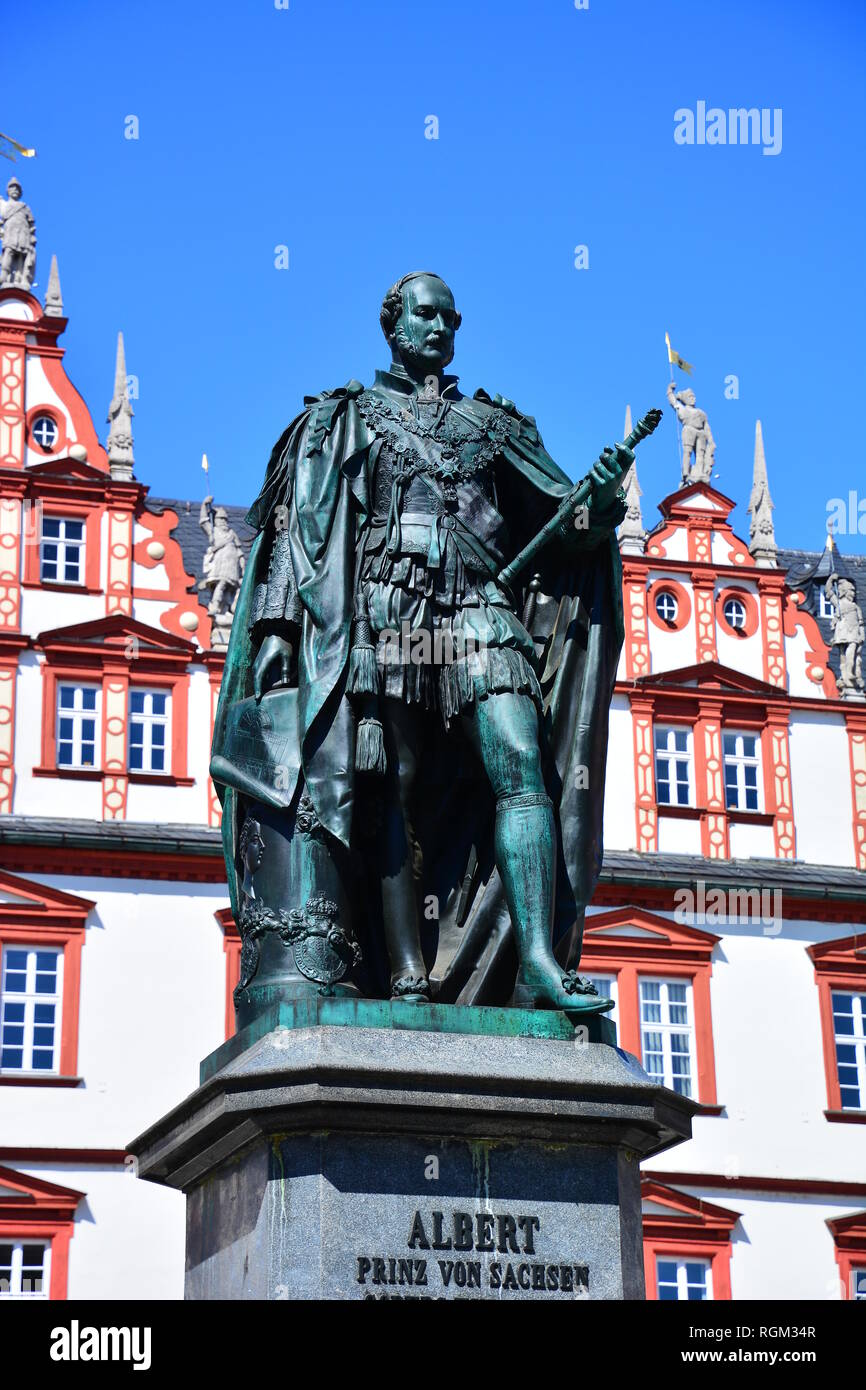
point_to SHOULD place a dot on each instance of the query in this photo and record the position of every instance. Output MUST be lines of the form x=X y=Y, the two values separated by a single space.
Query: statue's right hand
x=274 y=648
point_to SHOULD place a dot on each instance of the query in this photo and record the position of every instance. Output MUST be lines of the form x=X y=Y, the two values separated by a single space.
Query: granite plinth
x=338 y=1162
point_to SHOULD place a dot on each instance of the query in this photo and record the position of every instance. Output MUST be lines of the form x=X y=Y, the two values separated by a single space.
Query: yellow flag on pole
x=204 y=462
x=674 y=357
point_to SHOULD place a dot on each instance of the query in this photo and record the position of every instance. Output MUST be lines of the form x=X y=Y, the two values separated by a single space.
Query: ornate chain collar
x=397 y=426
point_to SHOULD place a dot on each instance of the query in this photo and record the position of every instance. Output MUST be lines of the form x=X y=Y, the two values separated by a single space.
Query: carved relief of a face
x=424 y=333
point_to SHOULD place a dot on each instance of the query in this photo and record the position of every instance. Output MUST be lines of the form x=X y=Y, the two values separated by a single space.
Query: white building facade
x=728 y=924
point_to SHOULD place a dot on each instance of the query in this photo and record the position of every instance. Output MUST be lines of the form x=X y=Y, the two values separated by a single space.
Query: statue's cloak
x=320 y=472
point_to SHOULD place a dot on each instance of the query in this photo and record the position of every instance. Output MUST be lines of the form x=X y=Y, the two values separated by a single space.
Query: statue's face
x=14 y=190
x=688 y=396
x=424 y=333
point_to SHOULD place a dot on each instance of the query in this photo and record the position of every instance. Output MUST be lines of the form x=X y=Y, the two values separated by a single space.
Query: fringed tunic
x=445 y=634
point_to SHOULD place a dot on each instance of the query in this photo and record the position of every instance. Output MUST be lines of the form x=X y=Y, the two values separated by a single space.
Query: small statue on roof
x=18 y=234
x=223 y=567
x=697 y=440
x=848 y=635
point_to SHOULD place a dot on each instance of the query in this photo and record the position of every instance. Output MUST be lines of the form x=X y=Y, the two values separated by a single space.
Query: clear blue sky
x=305 y=127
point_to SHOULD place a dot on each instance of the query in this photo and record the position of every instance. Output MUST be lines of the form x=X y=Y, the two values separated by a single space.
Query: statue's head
x=846 y=589
x=419 y=320
x=13 y=188
x=220 y=517
x=688 y=396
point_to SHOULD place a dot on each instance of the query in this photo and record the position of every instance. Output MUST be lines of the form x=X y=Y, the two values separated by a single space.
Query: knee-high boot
x=525 y=845
x=525 y=848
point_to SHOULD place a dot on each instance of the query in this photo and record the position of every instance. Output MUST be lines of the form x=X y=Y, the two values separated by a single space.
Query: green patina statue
x=412 y=729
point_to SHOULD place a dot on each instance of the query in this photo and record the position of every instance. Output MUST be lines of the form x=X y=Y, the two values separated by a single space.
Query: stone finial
x=762 y=535
x=53 y=297
x=632 y=534
x=698 y=444
x=120 y=412
x=18 y=234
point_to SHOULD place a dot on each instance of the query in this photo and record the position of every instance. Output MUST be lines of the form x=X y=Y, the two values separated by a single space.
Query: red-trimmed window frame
x=683 y=602
x=690 y=1229
x=91 y=668
x=176 y=684
x=839 y=965
x=37 y=917
x=749 y=712
x=41 y=1211
x=691 y=810
x=672 y=951
x=59 y=419
x=749 y=602
x=232 y=949
x=76 y=510
x=849 y=1238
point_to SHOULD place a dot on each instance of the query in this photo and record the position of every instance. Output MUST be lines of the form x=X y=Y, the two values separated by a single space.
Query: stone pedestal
x=345 y=1149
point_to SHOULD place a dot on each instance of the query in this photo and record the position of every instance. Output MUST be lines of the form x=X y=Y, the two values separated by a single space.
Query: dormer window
x=61 y=555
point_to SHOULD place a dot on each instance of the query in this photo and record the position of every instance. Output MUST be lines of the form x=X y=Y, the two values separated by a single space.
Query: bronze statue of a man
x=415 y=748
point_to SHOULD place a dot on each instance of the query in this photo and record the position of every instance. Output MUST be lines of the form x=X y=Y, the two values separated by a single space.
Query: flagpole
x=676 y=417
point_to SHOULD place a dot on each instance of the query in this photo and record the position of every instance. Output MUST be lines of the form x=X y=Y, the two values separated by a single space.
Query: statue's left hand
x=274 y=648
x=607 y=475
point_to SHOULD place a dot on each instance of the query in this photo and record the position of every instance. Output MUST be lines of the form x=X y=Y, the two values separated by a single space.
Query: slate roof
x=621 y=867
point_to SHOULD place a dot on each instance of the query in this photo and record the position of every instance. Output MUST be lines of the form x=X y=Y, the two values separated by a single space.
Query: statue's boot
x=525 y=844
x=409 y=981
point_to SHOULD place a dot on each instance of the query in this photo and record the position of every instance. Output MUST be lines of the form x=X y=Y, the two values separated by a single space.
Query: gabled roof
x=645 y=933
x=115 y=632
x=849 y=1232
x=665 y=1206
x=23 y=901
x=700 y=498
x=66 y=469
x=709 y=676
x=845 y=952
x=22 y=1196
